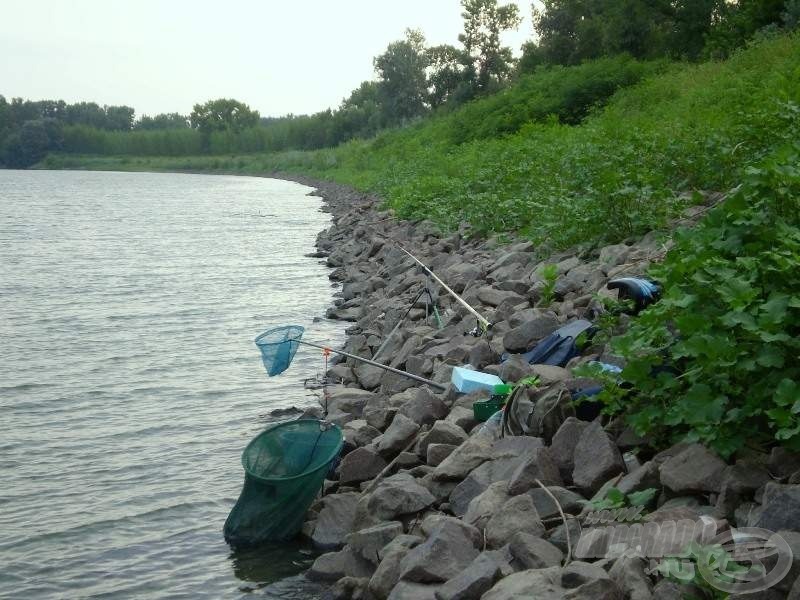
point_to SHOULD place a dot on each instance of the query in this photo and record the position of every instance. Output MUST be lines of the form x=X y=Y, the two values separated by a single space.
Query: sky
x=280 y=57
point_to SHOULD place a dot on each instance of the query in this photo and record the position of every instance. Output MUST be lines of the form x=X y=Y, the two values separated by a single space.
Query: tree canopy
x=223 y=114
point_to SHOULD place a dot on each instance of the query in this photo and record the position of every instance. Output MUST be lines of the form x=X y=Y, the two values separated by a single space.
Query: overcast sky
x=289 y=56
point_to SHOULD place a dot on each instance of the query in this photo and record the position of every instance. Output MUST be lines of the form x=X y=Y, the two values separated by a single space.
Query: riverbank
x=456 y=513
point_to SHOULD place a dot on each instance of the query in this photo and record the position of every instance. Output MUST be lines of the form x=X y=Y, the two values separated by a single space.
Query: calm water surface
x=129 y=381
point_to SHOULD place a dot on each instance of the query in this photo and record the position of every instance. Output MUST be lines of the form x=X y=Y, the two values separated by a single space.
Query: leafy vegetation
x=614 y=498
x=716 y=359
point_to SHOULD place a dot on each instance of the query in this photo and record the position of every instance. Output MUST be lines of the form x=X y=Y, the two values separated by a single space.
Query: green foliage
x=223 y=114
x=549 y=274
x=402 y=85
x=716 y=359
x=488 y=63
x=615 y=498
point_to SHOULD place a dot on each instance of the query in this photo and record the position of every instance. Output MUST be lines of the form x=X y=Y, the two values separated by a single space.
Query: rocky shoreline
x=428 y=504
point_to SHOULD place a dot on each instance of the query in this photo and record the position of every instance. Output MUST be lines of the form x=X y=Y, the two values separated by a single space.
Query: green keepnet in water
x=284 y=470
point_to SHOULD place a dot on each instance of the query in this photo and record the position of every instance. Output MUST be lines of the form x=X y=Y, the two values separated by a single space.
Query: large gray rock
x=335 y=521
x=538 y=466
x=695 y=469
x=599 y=589
x=578 y=573
x=538 y=584
x=462 y=417
x=493 y=297
x=387 y=574
x=739 y=483
x=359 y=433
x=570 y=501
x=369 y=542
x=369 y=376
x=597 y=459
x=395 y=496
x=473 y=581
x=479 y=479
x=781 y=508
x=398 y=435
x=517 y=514
x=335 y=565
x=521 y=338
x=486 y=505
x=342 y=399
x=562 y=448
x=442 y=432
x=362 y=464
x=532 y=552
x=424 y=408
x=629 y=575
x=468 y=456
x=407 y=590
x=436 y=453
x=482 y=355
x=442 y=556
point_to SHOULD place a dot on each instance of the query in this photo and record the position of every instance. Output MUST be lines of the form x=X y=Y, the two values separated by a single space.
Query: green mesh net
x=284 y=470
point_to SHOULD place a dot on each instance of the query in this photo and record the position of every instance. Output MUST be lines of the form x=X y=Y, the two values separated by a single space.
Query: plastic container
x=485 y=409
x=466 y=380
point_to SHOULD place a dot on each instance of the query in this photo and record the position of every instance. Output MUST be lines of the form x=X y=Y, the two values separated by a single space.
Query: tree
x=119 y=118
x=223 y=114
x=28 y=146
x=402 y=84
x=445 y=73
x=487 y=61
x=162 y=121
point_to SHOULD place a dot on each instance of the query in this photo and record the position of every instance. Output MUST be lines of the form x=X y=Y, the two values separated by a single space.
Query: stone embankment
x=457 y=513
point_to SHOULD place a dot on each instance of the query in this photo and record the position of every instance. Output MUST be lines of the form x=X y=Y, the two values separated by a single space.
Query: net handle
x=438 y=386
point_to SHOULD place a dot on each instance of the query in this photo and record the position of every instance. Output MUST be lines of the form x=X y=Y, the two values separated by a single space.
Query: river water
x=129 y=381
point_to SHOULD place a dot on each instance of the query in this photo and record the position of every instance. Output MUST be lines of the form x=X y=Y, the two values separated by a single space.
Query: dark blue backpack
x=557 y=348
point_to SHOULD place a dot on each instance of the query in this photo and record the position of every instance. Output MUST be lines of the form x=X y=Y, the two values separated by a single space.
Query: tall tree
x=488 y=62
x=223 y=114
x=402 y=84
x=446 y=68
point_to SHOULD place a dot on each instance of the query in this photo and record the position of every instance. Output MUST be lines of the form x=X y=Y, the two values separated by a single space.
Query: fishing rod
x=482 y=321
x=438 y=386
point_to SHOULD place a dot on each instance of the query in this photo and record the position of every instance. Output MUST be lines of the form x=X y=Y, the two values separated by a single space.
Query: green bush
x=717 y=359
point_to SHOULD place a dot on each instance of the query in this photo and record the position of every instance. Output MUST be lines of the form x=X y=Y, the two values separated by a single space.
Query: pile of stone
x=429 y=504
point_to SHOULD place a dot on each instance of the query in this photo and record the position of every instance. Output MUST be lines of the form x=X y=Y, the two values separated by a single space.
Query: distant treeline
x=412 y=80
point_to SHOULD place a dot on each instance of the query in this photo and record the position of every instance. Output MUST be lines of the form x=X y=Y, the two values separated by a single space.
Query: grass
x=564 y=172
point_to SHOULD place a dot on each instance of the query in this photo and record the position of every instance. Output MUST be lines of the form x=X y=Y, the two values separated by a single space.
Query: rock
x=597 y=458
x=369 y=542
x=515 y=368
x=695 y=469
x=484 y=506
x=611 y=256
x=472 y=582
x=387 y=574
x=550 y=374
x=642 y=478
x=349 y=588
x=533 y=552
x=351 y=401
x=482 y=355
x=562 y=449
x=781 y=508
x=667 y=589
x=462 y=417
x=434 y=520
x=360 y=465
x=479 y=479
x=397 y=436
x=629 y=575
x=369 y=376
x=599 y=589
x=493 y=297
x=469 y=455
x=335 y=521
x=335 y=565
x=442 y=556
x=436 y=453
x=539 y=466
x=570 y=501
x=520 y=339
x=395 y=496
x=739 y=482
x=558 y=535
x=425 y=408
x=517 y=514
x=406 y=590
x=577 y=573
x=441 y=490
x=359 y=432
x=782 y=462
x=538 y=584
x=392 y=383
